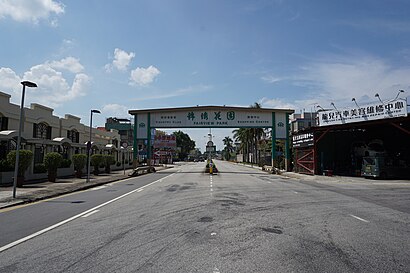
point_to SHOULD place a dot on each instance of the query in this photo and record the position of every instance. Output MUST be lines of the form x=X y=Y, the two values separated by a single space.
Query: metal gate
x=305 y=161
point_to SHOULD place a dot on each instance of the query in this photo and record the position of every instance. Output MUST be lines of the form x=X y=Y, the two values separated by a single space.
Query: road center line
x=358 y=218
x=74 y=217
x=91 y=213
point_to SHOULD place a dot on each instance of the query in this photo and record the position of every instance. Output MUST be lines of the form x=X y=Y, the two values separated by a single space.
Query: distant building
x=124 y=127
x=302 y=121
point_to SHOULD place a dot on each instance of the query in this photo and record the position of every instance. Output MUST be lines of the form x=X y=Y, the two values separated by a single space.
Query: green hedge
x=52 y=161
x=25 y=159
x=79 y=160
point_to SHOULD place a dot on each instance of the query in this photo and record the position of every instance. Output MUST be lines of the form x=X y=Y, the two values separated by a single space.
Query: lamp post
x=89 y=144
x=16 y=167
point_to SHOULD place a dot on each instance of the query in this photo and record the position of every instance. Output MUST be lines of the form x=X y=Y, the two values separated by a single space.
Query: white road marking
x=295 y=192
x=212 y=189
x=22 y=240
x=140 y=190
x=358 y=218
x=91 y=213
x=98 y=188
x=213 y=233
x=216 y=270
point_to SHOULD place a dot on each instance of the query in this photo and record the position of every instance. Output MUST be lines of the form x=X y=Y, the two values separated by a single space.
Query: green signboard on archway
x=211 y=117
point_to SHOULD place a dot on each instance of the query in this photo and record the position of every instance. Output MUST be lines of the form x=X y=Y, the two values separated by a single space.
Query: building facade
x=43 y=132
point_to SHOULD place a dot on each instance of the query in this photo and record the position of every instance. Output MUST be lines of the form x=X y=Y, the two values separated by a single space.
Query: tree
x=243 y=135
x=228 y=147
x=249 y=138
x=25 y=159
x=97 y=160
x=257 y=134
x=52 y=161
x=185 y=143
x=79 y=160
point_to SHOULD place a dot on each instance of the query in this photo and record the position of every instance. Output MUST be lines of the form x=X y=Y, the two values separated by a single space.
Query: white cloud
x=30 y=10
x=121 y=60
x=270 y=79
x=276 y=104
x=176 y=93
x=116 y=110
x=9 y=80
x=143 y=76
x=70 y=63
x=340 y=78
x=53 y=86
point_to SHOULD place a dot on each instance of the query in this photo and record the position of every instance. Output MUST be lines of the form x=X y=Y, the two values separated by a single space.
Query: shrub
x=25 y=158
x=65 y=163
x=52 y=161
x=97 y=160
x=5 y=166
x=80 y=160
x=40 y=168
x=108 y=161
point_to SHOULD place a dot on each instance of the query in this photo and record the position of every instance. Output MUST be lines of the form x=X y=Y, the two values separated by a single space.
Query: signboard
x=211 y=119
x=390 y=109
x=165 y=141
x=280 y=120
x=142 y=126
x=210 y=149
x=302 y=140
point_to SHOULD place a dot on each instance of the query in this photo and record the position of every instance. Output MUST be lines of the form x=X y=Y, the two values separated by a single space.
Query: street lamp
x=398 y=94
x=89 y=144
x=353 y=99
x=16 y=167
x=377 y=96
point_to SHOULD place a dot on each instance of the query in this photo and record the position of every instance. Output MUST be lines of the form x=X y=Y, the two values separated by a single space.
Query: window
x=42 y=130
x=4 y=121
x=38 y=154
x=73 y=135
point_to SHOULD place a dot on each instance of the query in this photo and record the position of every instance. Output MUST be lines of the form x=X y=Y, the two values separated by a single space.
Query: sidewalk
x=38 y=191
x=343 y=179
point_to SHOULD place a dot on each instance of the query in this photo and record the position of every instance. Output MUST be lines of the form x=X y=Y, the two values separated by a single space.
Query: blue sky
x=120 y=55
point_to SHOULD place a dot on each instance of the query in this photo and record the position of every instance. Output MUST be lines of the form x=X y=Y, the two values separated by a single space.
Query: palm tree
x=243 y=136
x=249 y=138
x=228 y=147
x=257 y=134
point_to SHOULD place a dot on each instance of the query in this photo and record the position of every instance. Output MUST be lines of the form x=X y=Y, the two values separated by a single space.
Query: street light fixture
x=89 y=144
x=16 y=167
x=353 y=99
x=377 y=96
x=398 y=94
x=321 y=108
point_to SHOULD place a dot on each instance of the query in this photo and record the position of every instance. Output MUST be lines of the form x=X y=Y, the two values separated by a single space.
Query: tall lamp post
x=16 y=167
x=89 y=144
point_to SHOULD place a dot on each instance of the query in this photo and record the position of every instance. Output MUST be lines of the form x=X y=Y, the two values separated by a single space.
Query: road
x=241 y=220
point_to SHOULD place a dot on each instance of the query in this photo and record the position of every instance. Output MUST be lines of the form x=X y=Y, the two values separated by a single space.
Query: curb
x=55 y=194
x=74 y=189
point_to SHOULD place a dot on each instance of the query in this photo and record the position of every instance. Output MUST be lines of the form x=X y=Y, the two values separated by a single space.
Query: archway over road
x=211 y=117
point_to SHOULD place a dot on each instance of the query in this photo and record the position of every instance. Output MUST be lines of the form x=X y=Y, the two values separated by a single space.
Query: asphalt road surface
x=241 y=220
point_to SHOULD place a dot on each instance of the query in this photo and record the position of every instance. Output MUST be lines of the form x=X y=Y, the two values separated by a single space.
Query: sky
x=137 y=54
